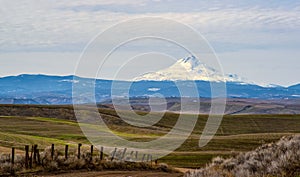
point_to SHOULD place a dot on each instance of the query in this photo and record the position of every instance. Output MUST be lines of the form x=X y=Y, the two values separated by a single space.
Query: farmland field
x=237 y=133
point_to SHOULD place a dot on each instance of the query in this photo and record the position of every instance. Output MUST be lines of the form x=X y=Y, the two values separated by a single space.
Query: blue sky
x=259 y=40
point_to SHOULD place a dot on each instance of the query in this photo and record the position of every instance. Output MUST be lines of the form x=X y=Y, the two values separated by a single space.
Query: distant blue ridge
x=45 y=89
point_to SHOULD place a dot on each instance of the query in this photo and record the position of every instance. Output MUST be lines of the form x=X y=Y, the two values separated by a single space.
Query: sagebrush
x=280 y=159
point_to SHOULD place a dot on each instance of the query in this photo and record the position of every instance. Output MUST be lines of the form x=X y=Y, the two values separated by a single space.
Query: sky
x=258 y=40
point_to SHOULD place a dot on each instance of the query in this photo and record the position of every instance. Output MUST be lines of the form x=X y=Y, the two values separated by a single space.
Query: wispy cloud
x=69 y=25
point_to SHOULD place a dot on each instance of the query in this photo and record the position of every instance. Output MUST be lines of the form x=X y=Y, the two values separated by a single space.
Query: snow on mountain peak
x=189 y=68
x=190 y=62
x=190 y=59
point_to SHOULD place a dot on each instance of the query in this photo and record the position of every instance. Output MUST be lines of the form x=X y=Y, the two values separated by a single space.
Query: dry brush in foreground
x=57 y=162
x=270 y=160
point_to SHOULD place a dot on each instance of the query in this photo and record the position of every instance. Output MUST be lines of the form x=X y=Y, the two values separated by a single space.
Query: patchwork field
x=237 y=133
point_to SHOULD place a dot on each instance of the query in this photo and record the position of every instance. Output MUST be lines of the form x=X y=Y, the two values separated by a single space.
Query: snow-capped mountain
x=190 y=68
x=43 y=89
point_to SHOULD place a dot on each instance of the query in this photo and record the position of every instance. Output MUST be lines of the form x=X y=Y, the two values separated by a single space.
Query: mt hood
x=190 y=68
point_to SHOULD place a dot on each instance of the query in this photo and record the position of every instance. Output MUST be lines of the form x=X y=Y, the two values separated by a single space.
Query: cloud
x=69 y=25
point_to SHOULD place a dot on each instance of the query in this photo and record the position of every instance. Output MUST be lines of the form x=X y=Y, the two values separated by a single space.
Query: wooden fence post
x=148 y=157
x=101 y=153
x=26 y=156
x=66 y=151
x=78 y=154
x=35 y=154
x=123 y=155
x=143 y=157
x=38 y=156
x=113 y=155
x=131 y=155
x=12 y=155
x=52 y=151
x=92 y=151
x=30 y=159
x=136 y=155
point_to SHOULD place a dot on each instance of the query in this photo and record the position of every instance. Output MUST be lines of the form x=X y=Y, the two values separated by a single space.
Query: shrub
x=274 y=159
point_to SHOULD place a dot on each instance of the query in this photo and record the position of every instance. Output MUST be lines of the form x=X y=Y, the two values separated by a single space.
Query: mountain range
x=45 y=89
